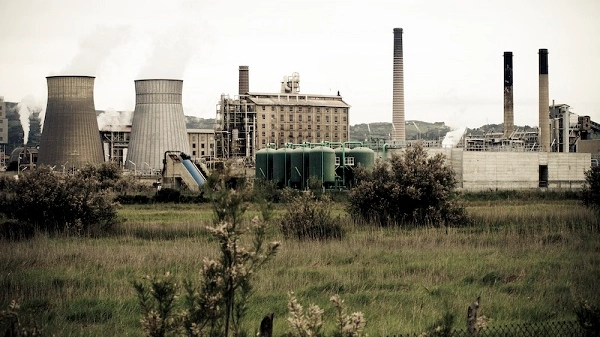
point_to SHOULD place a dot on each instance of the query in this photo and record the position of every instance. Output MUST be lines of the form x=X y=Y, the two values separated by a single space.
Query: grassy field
x=529 y=261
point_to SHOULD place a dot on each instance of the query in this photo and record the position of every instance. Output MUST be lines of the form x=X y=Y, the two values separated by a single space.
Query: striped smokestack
x=158 y=123
x=398 y=123
x=244 y=85
x=70 y=136
x=509 y=116
x=544 y=102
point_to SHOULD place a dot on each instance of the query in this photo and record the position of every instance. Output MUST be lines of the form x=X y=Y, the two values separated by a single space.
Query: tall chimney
x=70 y=136
x=544 y=101
x=244 y=85
x=398 y=123
x=509 y=116
x=158 y=123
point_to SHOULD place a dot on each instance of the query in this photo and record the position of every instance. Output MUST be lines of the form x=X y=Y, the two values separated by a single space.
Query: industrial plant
x=289 y=137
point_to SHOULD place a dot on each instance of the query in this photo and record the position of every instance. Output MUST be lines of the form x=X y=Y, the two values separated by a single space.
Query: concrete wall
x=567 y=170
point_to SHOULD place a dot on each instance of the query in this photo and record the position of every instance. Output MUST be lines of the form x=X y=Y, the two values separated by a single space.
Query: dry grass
x=528 y=262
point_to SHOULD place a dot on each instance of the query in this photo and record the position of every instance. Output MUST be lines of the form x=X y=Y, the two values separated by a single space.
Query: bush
x=75 y=204
x=408 y=189
x=591 y=189
x=308 y=218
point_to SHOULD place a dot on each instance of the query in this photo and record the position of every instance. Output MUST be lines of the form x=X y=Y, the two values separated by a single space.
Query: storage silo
x=299 y=158
x=322 y=164
x=281 y=166
x=70 y=136
x=158 y=123
x=363 y=156
x=264 y=164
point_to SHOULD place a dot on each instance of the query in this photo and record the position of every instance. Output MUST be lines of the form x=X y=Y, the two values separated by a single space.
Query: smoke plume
x=26 y=107
x=95 y=48
x=114 y=118
x=169 y=55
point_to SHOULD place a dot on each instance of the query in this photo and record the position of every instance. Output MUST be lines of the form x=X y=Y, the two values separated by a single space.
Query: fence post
x=266 y=326
x=472 y=318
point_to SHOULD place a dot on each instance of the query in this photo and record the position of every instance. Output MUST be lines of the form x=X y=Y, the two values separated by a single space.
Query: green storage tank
x=264 y=164
x=322 y=164
x=363 y=156
x=299 y=167
x=281 y=166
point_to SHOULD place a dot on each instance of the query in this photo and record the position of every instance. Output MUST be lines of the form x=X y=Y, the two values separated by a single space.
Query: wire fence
x=538 y=329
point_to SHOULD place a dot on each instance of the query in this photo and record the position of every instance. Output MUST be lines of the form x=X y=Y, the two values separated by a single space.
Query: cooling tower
x=244 y=81
x=158 y=124
x=544 y=102
x=509 y=116
x=70 y=137
x=398 y=123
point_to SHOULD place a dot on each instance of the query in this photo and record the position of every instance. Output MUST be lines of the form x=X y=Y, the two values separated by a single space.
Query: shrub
x=408 y=189
x=75 y=204
x=591 y=190
x=308 y=218
x=218 y=303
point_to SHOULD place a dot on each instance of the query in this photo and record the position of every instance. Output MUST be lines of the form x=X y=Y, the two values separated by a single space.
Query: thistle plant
x=217 y=305
x=304 y=324
x=348 y=325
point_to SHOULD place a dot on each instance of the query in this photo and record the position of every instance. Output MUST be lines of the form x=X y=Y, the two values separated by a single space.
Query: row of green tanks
x=294 y=164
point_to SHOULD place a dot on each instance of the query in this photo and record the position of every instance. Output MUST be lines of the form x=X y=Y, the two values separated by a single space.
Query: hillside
x=414 y=130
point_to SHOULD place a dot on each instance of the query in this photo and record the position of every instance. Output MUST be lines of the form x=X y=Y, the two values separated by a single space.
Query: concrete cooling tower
x=158 y=124
x=70 y=137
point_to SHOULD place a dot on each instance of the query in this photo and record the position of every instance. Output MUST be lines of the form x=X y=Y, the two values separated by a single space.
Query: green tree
x=591 y=189
x=408 y=189
x=74 y=204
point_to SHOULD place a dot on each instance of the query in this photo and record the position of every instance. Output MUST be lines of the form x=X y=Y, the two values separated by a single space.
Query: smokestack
x=509 y=116
x=70 y=136
x=544 y=102
x=398 y=123
x=158 y=124
x=244 y=85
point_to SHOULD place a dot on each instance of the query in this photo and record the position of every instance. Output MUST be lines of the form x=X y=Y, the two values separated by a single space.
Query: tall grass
x=528 y=262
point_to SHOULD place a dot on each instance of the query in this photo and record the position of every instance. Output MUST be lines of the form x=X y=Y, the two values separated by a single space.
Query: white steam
x=114 y=118
x=26 y=108
x=170 y=53
x=95 y=48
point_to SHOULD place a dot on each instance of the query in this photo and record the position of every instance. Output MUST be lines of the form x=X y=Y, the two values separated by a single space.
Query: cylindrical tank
x=264 y=164
x=70 y=136
x=322 y=164
x=299 y=158
x=158 y=123
x=363 y=156
x=281 y=166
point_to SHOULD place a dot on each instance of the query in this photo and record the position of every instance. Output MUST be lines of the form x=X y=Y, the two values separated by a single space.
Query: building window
x=327 y=119
x=327 y=127
x=291 y=118
x=263 y=116
x=335 y=119
x=299 y=118
x=335 y=128
x=318 y=127
x=264 y=142
x=335 y=110
x=263 y=108
x=263 y=126
x=299 y=126
x=318 y=119
x=194 y=153
x=309 y=126
x=300 y=109
x=273 y=134
x=318 y=109
x=193 y=145
x=291 y=108
x=202 y=145
x=272 y=108
x=263 y=134
x=280 y=126
x=281 y=117
x=344 y=118
x=292 y=127
x=308 y=117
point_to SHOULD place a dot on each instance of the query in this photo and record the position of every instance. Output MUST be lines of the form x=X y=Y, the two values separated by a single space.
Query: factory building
x=253 y=121
x=202 y=143
x=115 y=142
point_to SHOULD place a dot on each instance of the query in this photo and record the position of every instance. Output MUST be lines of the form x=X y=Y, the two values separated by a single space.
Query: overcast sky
x=452 y=52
